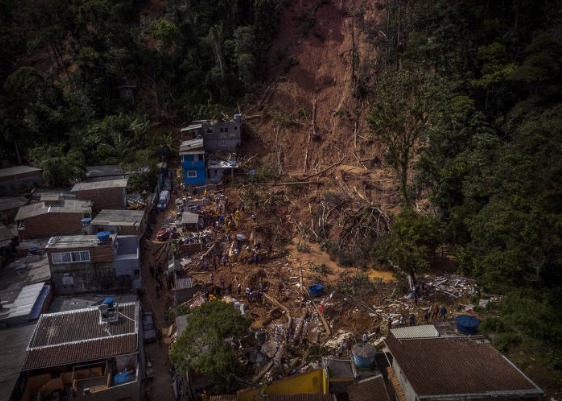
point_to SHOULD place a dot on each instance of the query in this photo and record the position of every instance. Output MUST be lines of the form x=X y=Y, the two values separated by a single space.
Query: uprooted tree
x=208 y=343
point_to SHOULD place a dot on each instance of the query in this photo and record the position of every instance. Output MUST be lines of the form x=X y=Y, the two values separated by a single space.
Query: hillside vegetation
x=402 y=127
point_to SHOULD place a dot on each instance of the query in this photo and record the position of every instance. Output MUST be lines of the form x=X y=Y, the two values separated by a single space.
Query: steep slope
x=312 y=114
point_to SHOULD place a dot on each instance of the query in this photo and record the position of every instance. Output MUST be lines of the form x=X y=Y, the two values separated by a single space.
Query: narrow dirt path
x=160 y=388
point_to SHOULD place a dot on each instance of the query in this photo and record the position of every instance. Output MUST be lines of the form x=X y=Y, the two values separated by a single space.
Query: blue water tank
x=122 y=377
x=108 y=301
x=103 y=237
x=363 y=355
x=316 y=290
x=85 y=221
x=467 y=324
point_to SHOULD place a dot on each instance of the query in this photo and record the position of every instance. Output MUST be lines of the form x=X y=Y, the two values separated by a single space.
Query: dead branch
x=311 y=133
x=326 y=169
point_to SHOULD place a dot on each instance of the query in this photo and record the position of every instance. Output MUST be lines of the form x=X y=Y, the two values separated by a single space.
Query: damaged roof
x=448 y=365
x=80 y=335
x=192 y=145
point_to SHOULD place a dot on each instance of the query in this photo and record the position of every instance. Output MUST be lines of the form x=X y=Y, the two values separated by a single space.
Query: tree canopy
x=209 y=342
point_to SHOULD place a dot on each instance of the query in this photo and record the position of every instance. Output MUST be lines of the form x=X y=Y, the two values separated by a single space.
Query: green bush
x=504 y=341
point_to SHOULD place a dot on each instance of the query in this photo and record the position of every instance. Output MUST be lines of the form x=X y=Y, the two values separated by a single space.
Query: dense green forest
x=191 y=60
x=476 y=119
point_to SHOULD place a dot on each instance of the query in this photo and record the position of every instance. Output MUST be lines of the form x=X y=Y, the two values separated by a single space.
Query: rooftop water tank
x=363 y=355
x=467 y=324
x=103 y=237
x=85 y=221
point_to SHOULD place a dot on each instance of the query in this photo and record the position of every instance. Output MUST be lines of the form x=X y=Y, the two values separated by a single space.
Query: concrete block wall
x=52 y=224
x=104 y=198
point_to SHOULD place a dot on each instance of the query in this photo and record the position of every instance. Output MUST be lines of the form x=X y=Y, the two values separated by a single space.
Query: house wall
x=193 y=163
x=88 y=277
x=128 y=391
x=13 y=184
x=105 y=198
x=222 y=136
x=128 y=267
x=52 y=224
x=8 y=216
x=404 y=383
x=314 y=382
x=121 y=230
x=98 y=254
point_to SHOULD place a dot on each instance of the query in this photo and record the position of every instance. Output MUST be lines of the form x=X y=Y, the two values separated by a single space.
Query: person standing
x=443 y=312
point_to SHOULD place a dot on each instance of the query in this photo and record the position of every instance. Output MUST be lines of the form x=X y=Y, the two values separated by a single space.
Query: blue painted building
x=192 y=157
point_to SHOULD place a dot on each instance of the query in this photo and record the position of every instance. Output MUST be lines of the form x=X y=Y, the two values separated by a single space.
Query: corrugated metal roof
x=25 y=300
x=69 y=206
x=189 y=218
x=110 y=217
x=14 y=340
x=73 y=241
x=191 y=127
x=7 y=172
x=372 y=389
x=80 y=335
x=192 y=145
x=87 y=186
x=184 y=282
x=422 y=331
x=448 y=366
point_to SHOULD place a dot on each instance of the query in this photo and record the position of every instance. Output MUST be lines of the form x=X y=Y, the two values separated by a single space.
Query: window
x=222 y=144
x=192 y=174
x=70 y=257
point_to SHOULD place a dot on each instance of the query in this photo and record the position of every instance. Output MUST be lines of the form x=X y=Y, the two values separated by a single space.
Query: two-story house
x=218 y=135
x=94 y=263
x=192 y=157
x=89 y=354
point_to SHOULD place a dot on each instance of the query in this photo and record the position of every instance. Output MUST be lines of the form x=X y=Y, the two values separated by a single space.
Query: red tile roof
x=372 y=389
x=80 y=335
x=448 y=365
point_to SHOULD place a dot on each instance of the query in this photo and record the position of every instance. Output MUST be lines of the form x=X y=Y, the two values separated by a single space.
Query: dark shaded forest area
x=189 y=60
x=477 y=123
x=467 y=100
